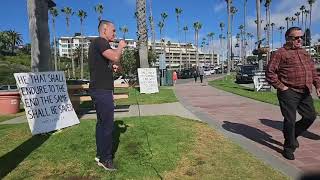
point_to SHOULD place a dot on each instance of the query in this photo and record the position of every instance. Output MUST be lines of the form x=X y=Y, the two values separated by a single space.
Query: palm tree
x=229 y=37
x=99 y=9
x=197 y=26
x=302 y=8
x=268 y=21
x=292 y=20
x=244 y=28
x=221 y=25
x=15 y=39
x=233 y=11
x=287 y=20
x=153 y=33
x=306 y=12
x=241 y=36
x=68 y=13
x=164 y=16
x=311 y=2
x=272 y=27
x=170 y=60
x=281 y=28
x=178 y=13
x=185 y=29
x=142 y=32
x=160 y=25
x=124 y=30
x=39 y=31
x=258 y=10
x=54 y=13
x=210 y=39
x=298 y=17
x=82 y=15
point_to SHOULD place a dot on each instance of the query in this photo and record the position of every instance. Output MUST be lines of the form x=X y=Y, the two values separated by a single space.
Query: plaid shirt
x=293 y=68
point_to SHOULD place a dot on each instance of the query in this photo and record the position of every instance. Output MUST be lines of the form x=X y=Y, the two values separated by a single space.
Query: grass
x=154 y=147
x=165 y=95
x=228 y=84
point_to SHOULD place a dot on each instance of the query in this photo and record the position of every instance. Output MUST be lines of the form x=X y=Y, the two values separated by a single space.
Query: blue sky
x=209 y=12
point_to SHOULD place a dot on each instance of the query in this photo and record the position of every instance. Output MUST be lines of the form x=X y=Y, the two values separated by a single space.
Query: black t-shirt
x=100 y=68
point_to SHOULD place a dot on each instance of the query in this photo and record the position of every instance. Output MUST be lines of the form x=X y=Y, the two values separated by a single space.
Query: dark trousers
x=103 y=101
x=195 y=78
x=201 y=78
x=291 y=102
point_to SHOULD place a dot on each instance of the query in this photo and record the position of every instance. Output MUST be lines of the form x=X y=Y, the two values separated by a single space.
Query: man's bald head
x=106 y=30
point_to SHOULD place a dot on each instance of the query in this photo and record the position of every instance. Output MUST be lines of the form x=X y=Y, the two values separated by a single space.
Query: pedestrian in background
x=292 y=72
x=174 y=77
x=201 y=73
x=195 y=74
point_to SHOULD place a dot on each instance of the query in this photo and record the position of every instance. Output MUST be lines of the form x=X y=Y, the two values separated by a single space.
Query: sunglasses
x=296 y=37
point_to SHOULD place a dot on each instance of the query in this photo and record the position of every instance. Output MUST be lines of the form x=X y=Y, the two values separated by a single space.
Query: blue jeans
x=103 y=102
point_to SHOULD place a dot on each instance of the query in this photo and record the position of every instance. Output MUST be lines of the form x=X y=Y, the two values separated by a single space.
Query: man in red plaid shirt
x=291 y=71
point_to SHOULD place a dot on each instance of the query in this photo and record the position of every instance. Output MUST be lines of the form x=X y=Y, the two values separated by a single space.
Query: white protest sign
x=148 y=80
x=46 y=101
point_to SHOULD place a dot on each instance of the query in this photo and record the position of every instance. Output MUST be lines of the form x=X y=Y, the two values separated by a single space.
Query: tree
x=197 y=26
x=82 y=15
x=39 y=31
x=4 y=41
x=268 y=21
x=178 y=13
x=185 y=29
x=306 y=12
x=281 y=28
x=153 y=36
x=124 y=30
x=161 y=24
x=15 y=39
x=210 y=39
x=170 y=60
x=298 y=17
x=54 y=13
x=302 y=8
x=233 y=11
x=311 y=2
x=68 y=13
x=272 y=27
x=142 y=32
x=99 y=9
x=258 y=11
x=287 y=20
x=229 y=36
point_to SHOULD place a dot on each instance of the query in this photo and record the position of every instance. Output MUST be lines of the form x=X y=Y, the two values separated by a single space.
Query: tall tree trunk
x=142 y=33
x=244 y=47
x=229 y=38
x=81 y=63
x=55 y=45
x=259 y=32
x=39 y=35
x=153 y=36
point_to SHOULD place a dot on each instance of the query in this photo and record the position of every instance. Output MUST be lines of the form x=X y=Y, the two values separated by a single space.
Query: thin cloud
x=219 y=7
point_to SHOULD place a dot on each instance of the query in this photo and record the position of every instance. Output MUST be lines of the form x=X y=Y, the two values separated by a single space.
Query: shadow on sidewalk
x=253 y=134
x=278 y=125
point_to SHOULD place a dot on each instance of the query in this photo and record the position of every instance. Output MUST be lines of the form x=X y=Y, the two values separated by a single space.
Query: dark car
x=185 y=74
x=245 y=74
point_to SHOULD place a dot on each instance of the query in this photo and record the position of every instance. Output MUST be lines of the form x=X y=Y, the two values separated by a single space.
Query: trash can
x=9 y=102
x=169 y=81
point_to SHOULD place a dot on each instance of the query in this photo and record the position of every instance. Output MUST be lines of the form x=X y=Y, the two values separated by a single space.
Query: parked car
x=185 y=74
x=245 y=74
x=8 y=88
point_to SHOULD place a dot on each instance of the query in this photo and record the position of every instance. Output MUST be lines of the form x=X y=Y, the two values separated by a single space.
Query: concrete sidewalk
x=254 y=125
x=175 y=109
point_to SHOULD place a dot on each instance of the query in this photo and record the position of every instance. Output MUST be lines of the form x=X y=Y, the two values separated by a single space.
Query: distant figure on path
x=102 y=60
x=201 y=73
x=174 y=77
x=195 y=74
x=292 y=72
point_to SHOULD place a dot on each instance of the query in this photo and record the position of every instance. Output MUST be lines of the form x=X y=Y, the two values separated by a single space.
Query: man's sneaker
x=97 y=159
x=107 y=165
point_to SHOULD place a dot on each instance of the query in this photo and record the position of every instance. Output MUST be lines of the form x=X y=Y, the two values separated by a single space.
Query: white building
x=178 y=55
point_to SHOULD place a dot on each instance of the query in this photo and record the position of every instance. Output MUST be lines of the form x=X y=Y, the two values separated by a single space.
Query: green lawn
x=228 y=84
x=165 y=95
x=154 y=147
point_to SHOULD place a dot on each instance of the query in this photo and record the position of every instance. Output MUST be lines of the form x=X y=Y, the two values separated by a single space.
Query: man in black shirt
x=101 y=63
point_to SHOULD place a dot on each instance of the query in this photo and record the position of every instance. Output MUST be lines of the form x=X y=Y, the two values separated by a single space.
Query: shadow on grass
x=253 y=134
x=119 y=128
x=12 y=159
x=279 y=124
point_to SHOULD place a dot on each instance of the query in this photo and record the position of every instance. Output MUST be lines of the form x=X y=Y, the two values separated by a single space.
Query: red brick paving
x=259 y=122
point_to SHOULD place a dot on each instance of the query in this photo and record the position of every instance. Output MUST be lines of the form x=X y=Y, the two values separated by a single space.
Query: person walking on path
x=174 y=77
x=292 y=72
x=201 y=73
x=195 y=74
x=101 y=64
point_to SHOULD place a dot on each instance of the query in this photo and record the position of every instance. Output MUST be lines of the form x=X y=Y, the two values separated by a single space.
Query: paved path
x=254 y=125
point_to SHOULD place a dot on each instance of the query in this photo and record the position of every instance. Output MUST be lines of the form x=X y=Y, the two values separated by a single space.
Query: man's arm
x=271 y=72
x=114 y=55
